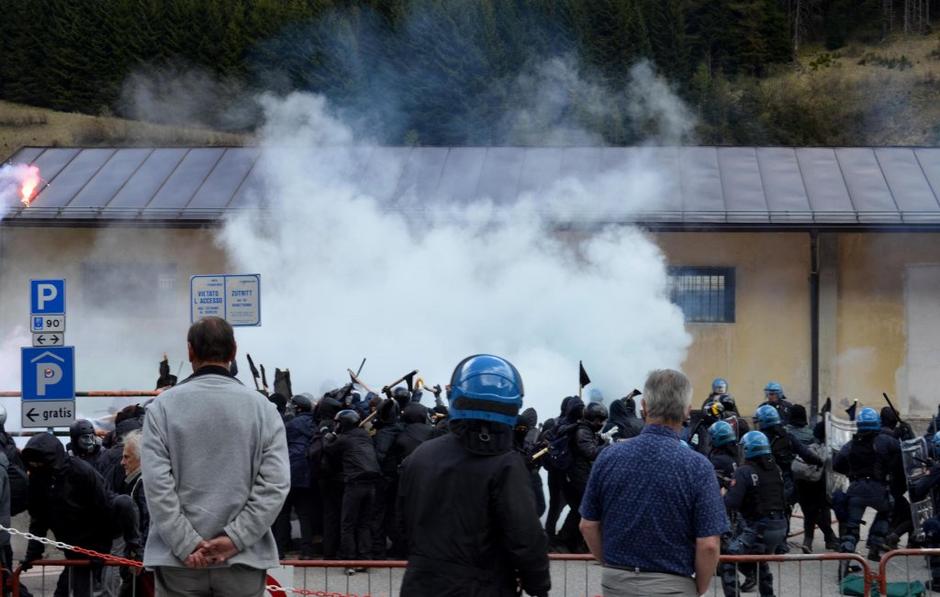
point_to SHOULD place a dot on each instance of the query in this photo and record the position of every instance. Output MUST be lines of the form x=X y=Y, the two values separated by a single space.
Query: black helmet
x=595 y=413
x=401 y=394
x=82 y=433
x=347 y=420
x=303 y=403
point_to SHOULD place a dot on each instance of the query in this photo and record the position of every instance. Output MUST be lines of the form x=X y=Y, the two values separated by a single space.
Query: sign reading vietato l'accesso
x=235 y=298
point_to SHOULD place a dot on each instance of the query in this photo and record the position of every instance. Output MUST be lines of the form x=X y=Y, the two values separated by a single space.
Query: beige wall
x=770 y=339
x=872 y=324
x=99 y=334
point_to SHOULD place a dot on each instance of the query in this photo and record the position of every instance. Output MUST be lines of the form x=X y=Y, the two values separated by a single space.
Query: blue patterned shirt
x=653 y=498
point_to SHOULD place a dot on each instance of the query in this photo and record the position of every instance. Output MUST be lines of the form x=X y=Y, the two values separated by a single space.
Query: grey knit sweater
x=214 y=459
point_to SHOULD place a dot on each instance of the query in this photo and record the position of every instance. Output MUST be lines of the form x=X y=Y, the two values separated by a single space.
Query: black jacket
x=299 y=431
x=68 y=497
x=623 y=416
x=585 y=446
x=357 y=452
x=470 y=523
x=384 y=441
x=410 y=438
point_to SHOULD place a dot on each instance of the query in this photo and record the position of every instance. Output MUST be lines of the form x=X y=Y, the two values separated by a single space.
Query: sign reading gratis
x=235 y=298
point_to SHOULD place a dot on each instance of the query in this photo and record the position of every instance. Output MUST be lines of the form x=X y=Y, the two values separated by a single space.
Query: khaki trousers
x=626 y=583
x=234 y=581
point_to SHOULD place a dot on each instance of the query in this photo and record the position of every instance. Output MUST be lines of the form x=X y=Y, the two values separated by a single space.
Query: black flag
x=827 y=407
x=851 y=410
x=585 y=380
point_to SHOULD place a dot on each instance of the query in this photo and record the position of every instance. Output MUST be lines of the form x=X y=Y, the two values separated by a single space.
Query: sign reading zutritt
x=234 y=298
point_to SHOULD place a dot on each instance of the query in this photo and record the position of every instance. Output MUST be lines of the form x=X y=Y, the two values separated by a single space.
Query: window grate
x=705 y=294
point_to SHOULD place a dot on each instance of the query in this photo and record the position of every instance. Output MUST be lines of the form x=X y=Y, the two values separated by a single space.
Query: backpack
x=808 y=472
x=559 y=448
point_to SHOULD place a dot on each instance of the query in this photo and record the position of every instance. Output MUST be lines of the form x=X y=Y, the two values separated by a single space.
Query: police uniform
x=867 y=461
x=757 y=496
x=930 y=485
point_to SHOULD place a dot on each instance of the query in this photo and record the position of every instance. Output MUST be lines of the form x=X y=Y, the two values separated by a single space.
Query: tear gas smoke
x=18 y=184
x=423 y=284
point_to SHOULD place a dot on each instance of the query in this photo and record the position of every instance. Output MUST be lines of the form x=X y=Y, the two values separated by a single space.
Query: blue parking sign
x=47 y=297
x=48 y=373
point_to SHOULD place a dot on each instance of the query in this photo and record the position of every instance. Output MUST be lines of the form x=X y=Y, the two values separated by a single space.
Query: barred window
x=705 y=294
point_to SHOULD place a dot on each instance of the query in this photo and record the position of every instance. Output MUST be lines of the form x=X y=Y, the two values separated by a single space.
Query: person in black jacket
x=586 y=444
x=416 y=431
x=68 y=497
x=572 y=408
x=84 y=443
x=525 y=442
x=623 y=420
x=352 y=444
x=327 y=469
x=299 y=431
x=466 y=510
x=388 y=427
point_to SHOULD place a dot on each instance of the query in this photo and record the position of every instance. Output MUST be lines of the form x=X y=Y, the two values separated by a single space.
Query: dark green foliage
x=435 y=71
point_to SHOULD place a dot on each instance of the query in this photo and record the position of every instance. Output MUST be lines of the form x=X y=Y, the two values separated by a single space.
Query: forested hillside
x=446 y=71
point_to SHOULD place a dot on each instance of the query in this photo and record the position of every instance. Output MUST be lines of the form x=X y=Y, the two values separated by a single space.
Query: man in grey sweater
x=216 y=473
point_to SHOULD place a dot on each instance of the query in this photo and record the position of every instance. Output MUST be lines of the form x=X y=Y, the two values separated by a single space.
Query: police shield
x=916 y=466
x=838 y=433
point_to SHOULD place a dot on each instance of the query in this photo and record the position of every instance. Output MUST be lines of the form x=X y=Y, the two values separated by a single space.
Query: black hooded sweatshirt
x=67 y=496
x=623 y=416
x=468 y=518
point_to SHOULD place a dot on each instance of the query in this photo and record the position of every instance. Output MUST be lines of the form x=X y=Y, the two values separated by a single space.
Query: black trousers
x=331 y=496
x=556 y=500
x=356 y=525
x=815 y=506
x=570 y=532
x=300 y=500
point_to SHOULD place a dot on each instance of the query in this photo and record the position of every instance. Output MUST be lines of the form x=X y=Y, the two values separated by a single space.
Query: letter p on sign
x=47 y=374
x=47 y=297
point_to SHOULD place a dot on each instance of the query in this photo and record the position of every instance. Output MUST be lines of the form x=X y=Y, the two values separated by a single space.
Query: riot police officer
x=784 y=446
x=724 y=453
x=774 y=396
x=467 y=512
x=757 y=496
x=929 y=485
x=867 y=461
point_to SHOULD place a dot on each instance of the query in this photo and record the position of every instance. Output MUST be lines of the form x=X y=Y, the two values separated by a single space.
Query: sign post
x=234 y=298
x=48 y=367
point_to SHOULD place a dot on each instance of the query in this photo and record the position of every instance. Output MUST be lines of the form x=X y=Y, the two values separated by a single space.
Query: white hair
x=132 y=441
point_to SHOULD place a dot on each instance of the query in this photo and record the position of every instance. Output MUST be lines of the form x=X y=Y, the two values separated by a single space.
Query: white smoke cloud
x=345 y=277
x=12 y=177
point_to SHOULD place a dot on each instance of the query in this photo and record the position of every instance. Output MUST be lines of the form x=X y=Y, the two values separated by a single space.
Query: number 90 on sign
x=47 y=323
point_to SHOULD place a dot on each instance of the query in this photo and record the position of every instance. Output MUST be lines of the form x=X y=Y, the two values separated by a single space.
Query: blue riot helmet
x=868 y=420
x=767 y=417
x=486 y=388
x=685 y=444
x=755 y=444
x=773 y=389
x=720 y=386
x=722 y=434
x=936 y=443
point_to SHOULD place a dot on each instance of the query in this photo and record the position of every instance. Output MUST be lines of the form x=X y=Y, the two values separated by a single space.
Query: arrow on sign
x=41 y=340
x=31 y=414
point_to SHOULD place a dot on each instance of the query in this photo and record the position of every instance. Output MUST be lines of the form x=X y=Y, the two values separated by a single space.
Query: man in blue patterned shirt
x=653 y=513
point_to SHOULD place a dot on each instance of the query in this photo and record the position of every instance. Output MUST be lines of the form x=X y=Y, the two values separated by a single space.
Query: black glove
x=27 y=562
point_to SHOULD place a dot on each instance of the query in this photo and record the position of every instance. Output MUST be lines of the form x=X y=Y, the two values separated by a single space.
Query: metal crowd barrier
x=573 y=575
x=46 y=586
x=923 y=574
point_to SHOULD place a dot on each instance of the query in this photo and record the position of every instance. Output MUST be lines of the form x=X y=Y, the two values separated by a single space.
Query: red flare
x=31 y=181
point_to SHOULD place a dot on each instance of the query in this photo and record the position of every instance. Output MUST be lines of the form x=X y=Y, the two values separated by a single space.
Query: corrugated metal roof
x=710 y=186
